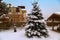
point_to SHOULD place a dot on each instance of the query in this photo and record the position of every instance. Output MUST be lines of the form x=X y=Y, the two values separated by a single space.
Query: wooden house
x=16 y=15
x=53 y=20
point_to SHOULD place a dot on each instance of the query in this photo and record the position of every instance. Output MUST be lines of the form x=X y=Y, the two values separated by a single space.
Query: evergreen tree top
x=34 y=3
x=36 y=12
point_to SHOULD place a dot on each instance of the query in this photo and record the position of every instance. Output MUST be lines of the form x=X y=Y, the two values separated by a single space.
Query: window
x=17 y=9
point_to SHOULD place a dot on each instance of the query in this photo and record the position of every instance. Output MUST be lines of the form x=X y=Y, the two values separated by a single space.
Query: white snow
x=32 y=16
x=57 y=13
x=31 y=24
x=20 y=35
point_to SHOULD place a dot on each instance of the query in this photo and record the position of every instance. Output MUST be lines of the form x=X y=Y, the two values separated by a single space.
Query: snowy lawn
x=20 y=35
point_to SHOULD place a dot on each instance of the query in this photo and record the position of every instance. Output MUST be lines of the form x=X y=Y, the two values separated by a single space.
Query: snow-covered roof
x=57 y=12
x=54 y=15
x=23 y=9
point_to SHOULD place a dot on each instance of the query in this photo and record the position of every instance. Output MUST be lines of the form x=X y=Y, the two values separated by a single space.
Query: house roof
x=55 y=16
x=23 y=7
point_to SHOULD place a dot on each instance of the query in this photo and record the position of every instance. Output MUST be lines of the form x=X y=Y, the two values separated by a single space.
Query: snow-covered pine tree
x=36 y=26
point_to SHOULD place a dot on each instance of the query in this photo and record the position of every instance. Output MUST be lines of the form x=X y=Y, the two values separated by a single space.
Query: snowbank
x=20 y=35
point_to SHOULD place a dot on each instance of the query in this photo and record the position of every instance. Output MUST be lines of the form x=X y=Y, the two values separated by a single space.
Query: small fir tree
x=3 y=8
x=36 y=27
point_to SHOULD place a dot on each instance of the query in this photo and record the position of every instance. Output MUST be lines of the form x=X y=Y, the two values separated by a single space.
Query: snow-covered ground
x=20 y=35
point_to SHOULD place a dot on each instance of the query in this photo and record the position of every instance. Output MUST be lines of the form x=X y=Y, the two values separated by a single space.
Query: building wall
x=17 y=17
x=53 y=20
x=13 y=17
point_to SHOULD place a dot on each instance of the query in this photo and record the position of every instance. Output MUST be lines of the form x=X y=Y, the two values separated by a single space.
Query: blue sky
x=47 y=6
